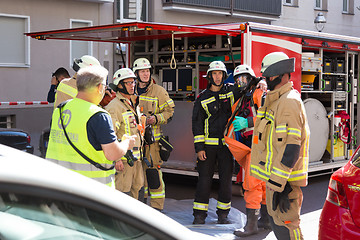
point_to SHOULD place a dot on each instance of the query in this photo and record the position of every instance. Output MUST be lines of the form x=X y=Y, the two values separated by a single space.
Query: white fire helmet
x=141 y=63
x=243 y=69
x=122 y=74
x=217 y=66
x=85 y=61
x=276 y=64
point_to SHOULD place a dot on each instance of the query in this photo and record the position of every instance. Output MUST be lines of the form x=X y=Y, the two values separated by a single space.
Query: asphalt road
x=183 y=187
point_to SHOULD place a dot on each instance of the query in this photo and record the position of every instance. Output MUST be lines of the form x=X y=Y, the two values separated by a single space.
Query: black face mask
x=272 y=84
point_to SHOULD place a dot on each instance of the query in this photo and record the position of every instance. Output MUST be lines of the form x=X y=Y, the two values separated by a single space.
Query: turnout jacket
x=125 y=117
x=66 y=90
x=280 y=148
x=156 y=101
x=210 y=114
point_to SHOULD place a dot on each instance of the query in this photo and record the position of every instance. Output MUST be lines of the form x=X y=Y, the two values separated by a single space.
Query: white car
x=41 y=200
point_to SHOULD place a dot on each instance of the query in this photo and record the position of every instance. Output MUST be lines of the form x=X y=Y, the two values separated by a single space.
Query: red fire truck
x=326 y=74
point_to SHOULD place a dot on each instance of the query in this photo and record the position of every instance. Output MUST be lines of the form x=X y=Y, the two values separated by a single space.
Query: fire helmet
x=141 y=63
x=243 y=69
x=122 y=74
x=85 y=61
x=216 y=66
x=276 y=64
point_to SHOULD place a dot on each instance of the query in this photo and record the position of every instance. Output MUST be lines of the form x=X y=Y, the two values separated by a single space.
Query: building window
x=79 y=48
x=132 y=10
x=318 y=4
x=345 y=6
x=348 y=6
x=14 y=45
x=293 y=3
x=321 y=4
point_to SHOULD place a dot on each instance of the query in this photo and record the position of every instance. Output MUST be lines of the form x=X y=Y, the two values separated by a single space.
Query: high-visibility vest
x=76 y=114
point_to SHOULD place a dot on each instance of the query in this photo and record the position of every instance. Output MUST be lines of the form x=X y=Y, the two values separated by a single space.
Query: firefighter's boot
x=199 y=219
x=251 y=226
x=264 y=222
x=222 y=218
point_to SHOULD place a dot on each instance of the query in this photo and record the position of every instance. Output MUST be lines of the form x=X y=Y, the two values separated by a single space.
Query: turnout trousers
x=220 y=158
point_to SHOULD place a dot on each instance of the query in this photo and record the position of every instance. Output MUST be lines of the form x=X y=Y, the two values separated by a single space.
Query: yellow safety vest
x=76 y=114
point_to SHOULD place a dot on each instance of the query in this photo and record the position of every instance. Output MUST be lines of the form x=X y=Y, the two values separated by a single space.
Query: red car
x=340 y=217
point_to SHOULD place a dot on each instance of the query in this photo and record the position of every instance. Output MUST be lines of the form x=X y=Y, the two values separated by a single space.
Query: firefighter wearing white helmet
x=276 y=64
x=158 y=107
x=216 y=66
x=67 y=88
x=125 y=115
x=212 y=109
x=244 y=112
x=280 y=149
x=243 y=74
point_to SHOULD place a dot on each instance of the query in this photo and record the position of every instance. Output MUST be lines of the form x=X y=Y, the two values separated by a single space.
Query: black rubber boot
x=251 y=226
x=264 y=221
x=223 y=219
x=199 y=219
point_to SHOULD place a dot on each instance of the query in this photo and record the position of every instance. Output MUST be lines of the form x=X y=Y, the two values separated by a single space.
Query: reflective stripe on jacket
x=156 y=101
x=210 y=115
x=66 y=90
x=76 y=114
x=281 y=126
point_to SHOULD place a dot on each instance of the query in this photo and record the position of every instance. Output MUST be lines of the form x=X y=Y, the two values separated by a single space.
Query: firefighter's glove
x=281 y=199
x=240 y=123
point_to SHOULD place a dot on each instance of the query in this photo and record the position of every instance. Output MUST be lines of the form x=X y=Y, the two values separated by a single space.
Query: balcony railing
x=268 y=7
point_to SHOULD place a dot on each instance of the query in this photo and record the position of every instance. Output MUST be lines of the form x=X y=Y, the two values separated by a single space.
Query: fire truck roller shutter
x=319 y=128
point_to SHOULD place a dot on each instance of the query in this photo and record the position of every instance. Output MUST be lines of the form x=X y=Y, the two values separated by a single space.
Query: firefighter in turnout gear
x=211 y=112
x=83 y=138
x=158 y=107
x=125 y=115
x=280 y=149
x=67 y=88
x=243 y=124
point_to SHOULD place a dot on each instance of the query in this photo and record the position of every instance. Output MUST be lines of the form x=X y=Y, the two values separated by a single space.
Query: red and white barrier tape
x=23 y=103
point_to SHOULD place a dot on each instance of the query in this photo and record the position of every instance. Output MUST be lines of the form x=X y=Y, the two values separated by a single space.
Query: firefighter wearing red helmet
x=243 y=124
x=280 y=148
x=212 y=109
x=125 y=115
x=158 y=107
x=67 y=87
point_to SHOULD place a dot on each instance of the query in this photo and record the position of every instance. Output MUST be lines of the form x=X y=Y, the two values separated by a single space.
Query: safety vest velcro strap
x=157 y=194
x=223 y=206
x=199 y=138
x=67 y=89
x=201 y=206
x=294 y=131
x=214 y=141
x=280 y=173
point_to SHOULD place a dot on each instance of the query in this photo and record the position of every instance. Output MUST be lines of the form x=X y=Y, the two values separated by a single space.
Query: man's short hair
x=61 y=72
x=90 y=77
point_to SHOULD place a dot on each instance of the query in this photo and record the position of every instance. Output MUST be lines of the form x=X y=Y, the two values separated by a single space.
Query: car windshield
x=356 y=159
x=29 y=217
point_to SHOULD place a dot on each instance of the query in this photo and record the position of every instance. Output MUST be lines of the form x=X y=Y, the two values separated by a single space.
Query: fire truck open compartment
x=326 y=74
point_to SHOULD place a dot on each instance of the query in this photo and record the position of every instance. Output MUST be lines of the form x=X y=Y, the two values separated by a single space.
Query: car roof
x=17 y=167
